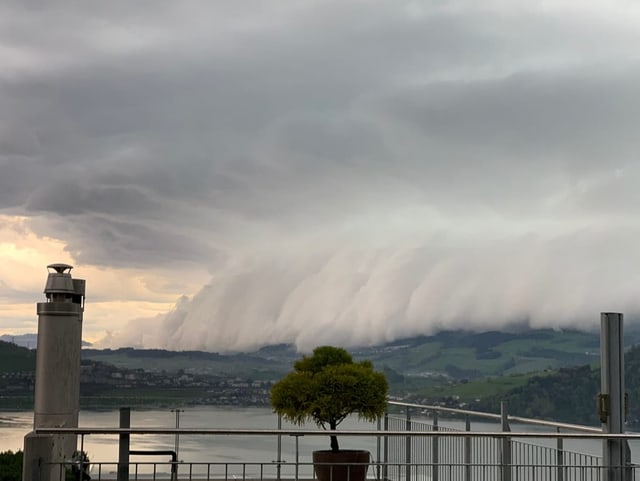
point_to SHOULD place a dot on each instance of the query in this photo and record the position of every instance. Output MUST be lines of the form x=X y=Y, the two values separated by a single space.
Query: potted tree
x=326 y=388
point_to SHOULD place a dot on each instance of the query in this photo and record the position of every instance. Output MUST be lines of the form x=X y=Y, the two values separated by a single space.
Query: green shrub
x=11 y=466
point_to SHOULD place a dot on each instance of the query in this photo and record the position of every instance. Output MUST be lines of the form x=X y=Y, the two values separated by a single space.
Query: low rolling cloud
x=322 y=172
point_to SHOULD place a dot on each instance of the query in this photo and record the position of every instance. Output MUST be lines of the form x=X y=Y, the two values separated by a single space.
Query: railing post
x=434 y=450
x=279 y=454
x=612 y=395
x=176 y=442
x=467 y=449
x=407 y=454
x=506 y=444
x=297 y=456
x=379 y=427
x=174 y=475
x=559 y=457
x=385 y=467
x=123 y=446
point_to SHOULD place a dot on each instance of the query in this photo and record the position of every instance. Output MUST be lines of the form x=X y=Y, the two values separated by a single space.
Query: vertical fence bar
x=407 y=454
x=559 y=457
x=385 y=468
x=279 y=454
x=123 y=446
x=467 y=449
x=297 y=456
x=378 y=427
x=434 y=450
x=506 y=444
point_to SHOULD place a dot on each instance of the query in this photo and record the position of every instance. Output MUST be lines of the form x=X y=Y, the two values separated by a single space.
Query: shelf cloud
x=341 y=171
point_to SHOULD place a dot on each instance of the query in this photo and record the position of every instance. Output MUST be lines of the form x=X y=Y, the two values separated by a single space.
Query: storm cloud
x=343 y=171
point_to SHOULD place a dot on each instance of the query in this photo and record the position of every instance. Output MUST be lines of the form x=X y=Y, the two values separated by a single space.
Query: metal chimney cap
x=59 y=282
x=60 y=268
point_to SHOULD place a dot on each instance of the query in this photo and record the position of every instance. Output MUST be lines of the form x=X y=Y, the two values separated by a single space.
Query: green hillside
x=15 y=358
x=567 y=394
x=457 y=355
x=539 y=373
x=254 y=366
x=467 y=355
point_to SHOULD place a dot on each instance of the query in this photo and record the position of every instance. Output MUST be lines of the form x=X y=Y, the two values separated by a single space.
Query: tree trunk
x=334 y=439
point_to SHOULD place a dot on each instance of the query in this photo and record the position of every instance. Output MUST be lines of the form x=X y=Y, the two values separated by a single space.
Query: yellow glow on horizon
x=24 y=255
x=115 y=296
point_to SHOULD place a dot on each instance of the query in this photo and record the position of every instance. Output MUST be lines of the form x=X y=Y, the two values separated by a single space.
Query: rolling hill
x=540 y=373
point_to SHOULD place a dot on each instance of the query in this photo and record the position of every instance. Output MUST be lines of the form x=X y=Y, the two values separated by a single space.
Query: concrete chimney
x=57 y=387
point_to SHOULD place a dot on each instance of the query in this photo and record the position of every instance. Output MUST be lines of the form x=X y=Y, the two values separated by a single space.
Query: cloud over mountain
x=344 y=171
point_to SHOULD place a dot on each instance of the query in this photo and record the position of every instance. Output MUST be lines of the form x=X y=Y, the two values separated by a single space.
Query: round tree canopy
x=328 y=386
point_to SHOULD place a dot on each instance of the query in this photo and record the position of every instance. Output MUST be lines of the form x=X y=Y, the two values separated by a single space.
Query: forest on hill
x=568 y=394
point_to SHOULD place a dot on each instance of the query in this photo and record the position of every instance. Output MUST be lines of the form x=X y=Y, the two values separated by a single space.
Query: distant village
x=94 y=376
x=104 y=385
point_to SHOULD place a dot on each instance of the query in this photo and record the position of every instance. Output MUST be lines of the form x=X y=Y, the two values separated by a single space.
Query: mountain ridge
x=455 y=354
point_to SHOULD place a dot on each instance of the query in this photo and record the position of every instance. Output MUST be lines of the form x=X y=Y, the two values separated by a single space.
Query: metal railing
x=407 y=448
x=196 y=471
x=468 y=458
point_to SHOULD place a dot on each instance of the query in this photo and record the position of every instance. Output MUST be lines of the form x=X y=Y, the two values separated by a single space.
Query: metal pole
x=434 y=450
x=177 y=440
x=559 y=457
x=506 y=443
x=407 y=454
x=123 y=446
x=378 y=448
x=297 y=457
x=611 y=400
x=385 y=467
x=467 y=449
x=279 y=454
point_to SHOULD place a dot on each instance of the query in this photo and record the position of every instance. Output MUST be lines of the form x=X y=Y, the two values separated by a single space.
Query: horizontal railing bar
x=552 y=424
x=461 y=412
x=497 y=417
x=302 y=432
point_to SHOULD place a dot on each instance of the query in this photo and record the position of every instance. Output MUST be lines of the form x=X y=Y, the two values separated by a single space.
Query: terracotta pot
x=345 y=465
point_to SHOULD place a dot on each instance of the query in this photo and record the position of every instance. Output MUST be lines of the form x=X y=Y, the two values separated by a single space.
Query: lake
x=233 y=449
x=195 y=448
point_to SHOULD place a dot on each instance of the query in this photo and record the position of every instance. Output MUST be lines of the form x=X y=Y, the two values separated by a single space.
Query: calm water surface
x=196 y=448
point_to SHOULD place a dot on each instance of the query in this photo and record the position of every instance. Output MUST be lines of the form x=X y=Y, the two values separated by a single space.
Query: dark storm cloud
x=566 y=115
x=523 y=138
x=327 y=136
x=127 y=244
x=68 y=198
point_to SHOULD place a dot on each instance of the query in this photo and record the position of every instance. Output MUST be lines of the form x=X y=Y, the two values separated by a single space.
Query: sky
x=231 y=174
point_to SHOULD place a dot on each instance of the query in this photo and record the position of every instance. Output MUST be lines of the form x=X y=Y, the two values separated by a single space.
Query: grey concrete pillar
x=57 y=386
x=36 y=464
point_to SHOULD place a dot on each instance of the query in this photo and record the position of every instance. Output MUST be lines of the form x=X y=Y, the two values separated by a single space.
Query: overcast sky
x=232 y=173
